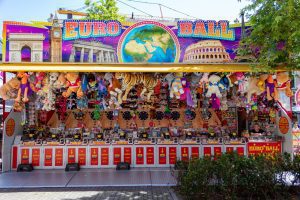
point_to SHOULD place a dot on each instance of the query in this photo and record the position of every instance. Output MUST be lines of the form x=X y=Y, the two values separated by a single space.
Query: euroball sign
x=111 y=41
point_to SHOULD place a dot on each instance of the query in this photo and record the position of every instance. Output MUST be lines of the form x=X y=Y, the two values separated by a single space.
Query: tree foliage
x=274 y=35
x=103 y=10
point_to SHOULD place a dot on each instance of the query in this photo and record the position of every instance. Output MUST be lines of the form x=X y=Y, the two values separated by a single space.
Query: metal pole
x=161 y=14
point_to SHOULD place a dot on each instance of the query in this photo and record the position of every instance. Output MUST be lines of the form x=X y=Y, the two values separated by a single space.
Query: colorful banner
x=71 y=155
x=94 y=156
x=59 y=156
x=184 y=153
x=229 y=149
x=97 y=41
x=257 y=148
x=117 y=155
x=172 y=155
x=240 y=151
x=35 y=160
x=105 y=156
x=127 y=155
x=82 y=156
x=162 y=159
x=48 y=157
x=25 y=156
x=139 y=155
x=195 y=152
x=207 y=151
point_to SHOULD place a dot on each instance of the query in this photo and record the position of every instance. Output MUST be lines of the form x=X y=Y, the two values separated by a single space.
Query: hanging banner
x=71 y=155
x=172 y=155
x=82 y=156
x=105 y=156
x=150 y=155
x=59 y=156
x=195 y=152
x=139 y=155
x=127 y=154
x=184 y=153
x=25 y=156
x=162 y=151
x=14 y=157
x=256 y=148
x=117 y=155
x=94 y=156
x=48 y=157
x=229 y=149
x=35 y=159
x=100 y=41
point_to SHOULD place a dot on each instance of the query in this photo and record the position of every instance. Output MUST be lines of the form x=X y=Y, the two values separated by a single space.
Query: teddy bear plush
x=283 y=90
x=61 y=81
x=9 y=90
x=214 y=86
x=73 y=84
x=252 y=88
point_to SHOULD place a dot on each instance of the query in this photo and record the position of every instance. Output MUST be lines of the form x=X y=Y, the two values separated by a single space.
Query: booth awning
x=133 y=67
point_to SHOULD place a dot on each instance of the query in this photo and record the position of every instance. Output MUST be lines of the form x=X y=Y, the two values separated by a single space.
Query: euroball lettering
x=75 y=29
x=206 y=29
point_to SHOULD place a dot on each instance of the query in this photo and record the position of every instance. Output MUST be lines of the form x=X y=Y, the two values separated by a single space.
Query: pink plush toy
x=187 y=93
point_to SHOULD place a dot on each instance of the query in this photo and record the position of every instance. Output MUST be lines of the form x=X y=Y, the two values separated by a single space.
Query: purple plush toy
x=187 y=93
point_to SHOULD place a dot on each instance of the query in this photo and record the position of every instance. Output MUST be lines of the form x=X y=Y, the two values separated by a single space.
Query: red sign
x=185 y=153
x=35 y=157
x=104 y=156
x=25 y=156
x=162 y=155
x=71 y=155
x=82 y=156
x=117 y=155
x=150 y=155
x=127 y=154
x=283 y=125
x=256 y=148
x=14 y=157
x=207 y=151
x=94 y=156
x=195 y=152
x=48 y=157
x=139 y=155
x=229 y=149
x=217 y=151
x=240 y=151
x=172 y=155
x=10 y=127
x=59 y=152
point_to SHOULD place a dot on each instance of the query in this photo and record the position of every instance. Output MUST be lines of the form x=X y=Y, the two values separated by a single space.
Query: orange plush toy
x=73 y=84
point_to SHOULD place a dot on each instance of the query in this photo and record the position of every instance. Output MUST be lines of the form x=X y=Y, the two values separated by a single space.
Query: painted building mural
x=111 y=42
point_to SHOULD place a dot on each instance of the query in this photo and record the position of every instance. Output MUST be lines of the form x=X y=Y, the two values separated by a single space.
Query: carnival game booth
x=99 y=114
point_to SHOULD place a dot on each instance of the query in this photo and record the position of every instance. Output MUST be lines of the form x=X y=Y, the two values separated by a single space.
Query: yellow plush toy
x=73 y=85
x=10 y=89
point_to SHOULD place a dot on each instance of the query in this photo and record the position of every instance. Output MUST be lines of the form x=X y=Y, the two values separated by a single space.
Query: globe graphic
x=148 y=43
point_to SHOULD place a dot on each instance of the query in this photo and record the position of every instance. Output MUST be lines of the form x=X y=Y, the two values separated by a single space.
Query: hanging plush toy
x=73 y=85
x=215 y=102
x=225 y=82
x=262 y=82
x=169 y=78
x=61 y=81
x=270 y=87
x=224 y=105
x=53 y=76
x=102 y=90
x=214 y=86
x=283 y=90
x=10 y=89
x=25 y=89
x=187 y=93
x=252 y=88
x=176 y=89
x=114 y=89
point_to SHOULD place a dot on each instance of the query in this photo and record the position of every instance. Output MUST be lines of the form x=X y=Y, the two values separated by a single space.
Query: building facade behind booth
x=101 y=92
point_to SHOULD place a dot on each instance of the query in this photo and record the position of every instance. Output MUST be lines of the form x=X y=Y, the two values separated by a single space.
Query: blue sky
x=39 y=10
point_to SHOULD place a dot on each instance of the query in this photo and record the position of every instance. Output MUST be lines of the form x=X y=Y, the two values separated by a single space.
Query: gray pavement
x=96 y=193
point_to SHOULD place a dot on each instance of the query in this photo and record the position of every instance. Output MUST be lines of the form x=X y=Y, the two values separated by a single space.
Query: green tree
x=274 y=35
x=103 y=10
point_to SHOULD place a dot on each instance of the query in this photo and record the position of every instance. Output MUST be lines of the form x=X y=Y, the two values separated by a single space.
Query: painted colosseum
x=207 y=51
